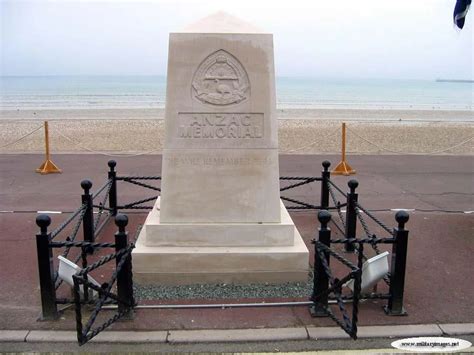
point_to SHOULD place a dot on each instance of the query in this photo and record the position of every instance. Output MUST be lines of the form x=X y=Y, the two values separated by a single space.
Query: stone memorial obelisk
x=220 y=218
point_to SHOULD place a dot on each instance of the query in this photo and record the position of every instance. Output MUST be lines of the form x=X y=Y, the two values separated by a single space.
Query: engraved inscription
x=220 y=125
x=217 y=160
x=220 y=80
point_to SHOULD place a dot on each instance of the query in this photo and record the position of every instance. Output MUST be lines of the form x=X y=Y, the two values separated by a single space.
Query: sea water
x=101 y=92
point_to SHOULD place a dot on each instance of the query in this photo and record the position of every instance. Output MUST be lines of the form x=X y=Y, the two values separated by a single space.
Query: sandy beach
x=137 y=131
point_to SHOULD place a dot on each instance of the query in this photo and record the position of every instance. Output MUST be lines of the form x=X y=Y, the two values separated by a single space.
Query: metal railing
x=327 y=289
x=325 y=283
x=70 y=229
x=122 y=276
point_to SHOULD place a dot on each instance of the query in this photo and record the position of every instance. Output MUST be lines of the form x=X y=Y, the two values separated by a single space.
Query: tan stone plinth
x=246 y=253
x=156 y=233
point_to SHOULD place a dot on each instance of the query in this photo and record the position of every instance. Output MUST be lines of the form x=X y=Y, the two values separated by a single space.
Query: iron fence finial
x=86 y=185
x=43 y=221
x=353 y=184
x=324 y=218
x=121 y=221
x=326 y=164
x=402 y=217
x=112 y=164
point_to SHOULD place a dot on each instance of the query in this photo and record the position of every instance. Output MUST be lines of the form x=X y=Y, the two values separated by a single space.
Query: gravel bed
x=222 y=290
x=225 y=291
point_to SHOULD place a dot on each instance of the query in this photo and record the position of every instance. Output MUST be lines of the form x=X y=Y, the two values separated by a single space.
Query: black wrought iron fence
x=92 y=216
x=325 y=283
x=84 y=215
x=327 y=289
x=122 y=275
x=346 y=223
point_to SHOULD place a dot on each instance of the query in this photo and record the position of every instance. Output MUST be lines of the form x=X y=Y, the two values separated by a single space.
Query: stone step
x=186 y=265
x=218 y=234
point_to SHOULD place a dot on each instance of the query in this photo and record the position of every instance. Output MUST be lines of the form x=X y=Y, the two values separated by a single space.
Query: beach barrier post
x=48 y=167
x=343 y=168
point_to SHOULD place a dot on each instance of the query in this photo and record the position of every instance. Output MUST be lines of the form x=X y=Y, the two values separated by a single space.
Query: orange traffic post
x=343 y=168
x=48 y=167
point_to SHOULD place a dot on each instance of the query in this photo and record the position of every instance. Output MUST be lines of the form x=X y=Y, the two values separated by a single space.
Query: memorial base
x=219 y=253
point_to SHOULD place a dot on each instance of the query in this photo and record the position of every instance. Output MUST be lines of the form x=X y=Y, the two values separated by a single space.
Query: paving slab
x=457 y=328
x=316 y=333
x=13 y=335
x=389 y=331
x=38 y=336
x=397 y=331
x=51 y=336
x=242 y=335
x=236 y=335
x=131 y=337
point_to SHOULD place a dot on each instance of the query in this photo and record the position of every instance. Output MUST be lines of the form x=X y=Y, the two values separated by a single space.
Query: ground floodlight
x=373 y=270
x=67 y=268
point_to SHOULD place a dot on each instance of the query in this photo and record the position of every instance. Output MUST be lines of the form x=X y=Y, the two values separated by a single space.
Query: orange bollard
x=48 y=167
x=343 y=168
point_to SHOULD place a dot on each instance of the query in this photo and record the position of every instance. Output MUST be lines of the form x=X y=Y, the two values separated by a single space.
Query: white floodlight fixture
x=67 y=269
x=373 y=270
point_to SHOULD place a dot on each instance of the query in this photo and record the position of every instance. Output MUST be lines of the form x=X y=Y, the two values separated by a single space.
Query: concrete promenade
x=439 y=284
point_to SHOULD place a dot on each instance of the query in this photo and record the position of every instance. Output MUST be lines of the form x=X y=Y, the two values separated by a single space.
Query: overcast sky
x=328 y=39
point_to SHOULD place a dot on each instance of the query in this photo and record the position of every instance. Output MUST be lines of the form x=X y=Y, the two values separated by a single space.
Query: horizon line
x=277 y=76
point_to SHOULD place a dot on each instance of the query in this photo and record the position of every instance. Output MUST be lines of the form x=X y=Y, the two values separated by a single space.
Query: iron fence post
x=357 y=289
x=351 y=214
x=88 y=220
x=398 y=267
x=320 y=278
x=77 y=307
x=113 y=188
x=124 y=276
x=325 y=175
x=49 y=309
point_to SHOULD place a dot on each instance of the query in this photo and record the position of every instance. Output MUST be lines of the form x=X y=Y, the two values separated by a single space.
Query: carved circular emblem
x=221 y=80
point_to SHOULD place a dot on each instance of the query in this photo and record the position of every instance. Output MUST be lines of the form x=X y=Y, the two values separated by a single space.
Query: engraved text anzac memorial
x=220 y=125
